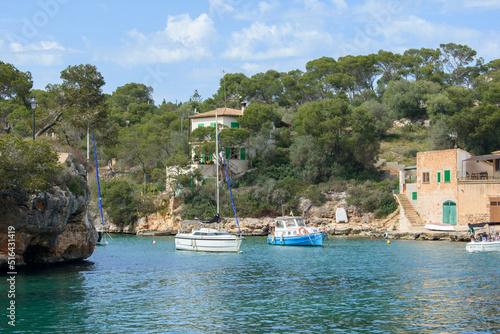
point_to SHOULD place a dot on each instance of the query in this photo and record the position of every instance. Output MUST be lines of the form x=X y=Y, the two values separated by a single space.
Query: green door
x=450 y=213
x=242 y=154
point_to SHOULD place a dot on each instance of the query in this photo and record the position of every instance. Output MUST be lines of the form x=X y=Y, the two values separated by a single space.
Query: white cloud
x=221 y=7
x=264 y=42
x=44 y=53
x=182 y=39
x=483 y=4
x=341 y=4
x=427 y=32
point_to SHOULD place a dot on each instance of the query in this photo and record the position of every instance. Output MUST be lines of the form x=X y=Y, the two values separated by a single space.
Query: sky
x=177 y=47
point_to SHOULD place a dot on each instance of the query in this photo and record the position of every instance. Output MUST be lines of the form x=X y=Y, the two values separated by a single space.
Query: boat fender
x=281 y=239
x=324 y=228
x=385 y=235
x=273 y=239
x=302 y=231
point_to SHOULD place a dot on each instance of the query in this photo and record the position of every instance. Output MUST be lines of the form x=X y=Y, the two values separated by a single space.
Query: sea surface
x=351 y=285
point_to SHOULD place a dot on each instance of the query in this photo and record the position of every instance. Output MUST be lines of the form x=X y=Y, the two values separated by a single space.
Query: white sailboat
x=203 y=239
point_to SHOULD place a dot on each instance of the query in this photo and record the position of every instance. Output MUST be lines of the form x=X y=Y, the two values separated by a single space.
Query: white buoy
x=154 y=242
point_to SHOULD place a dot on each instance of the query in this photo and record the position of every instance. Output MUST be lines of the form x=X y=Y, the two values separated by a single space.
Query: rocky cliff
x=47 y=227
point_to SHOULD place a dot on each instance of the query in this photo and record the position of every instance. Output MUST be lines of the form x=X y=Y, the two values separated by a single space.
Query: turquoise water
x=349 y=286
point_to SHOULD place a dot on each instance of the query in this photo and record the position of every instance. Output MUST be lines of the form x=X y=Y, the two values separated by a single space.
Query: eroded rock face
x=49 y=227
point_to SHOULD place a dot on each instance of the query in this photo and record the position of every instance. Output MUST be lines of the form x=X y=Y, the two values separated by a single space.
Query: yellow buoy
x=388 y=242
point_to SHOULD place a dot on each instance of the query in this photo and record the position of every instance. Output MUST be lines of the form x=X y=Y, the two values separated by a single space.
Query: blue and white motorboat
x=292 y=231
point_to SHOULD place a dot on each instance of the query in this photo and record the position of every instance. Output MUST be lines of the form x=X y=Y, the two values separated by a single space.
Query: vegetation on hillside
x=341 y=111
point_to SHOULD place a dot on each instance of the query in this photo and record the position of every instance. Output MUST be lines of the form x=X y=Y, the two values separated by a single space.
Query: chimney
x=243 y=106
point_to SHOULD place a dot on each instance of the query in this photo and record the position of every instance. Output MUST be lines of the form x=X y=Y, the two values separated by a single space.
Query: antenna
x=224 y=77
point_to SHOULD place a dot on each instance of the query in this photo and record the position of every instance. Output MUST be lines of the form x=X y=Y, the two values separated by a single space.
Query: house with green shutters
x=455 y=187
x=236 y=157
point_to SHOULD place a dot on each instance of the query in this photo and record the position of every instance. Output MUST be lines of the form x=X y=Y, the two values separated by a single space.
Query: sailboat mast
x=217 y=162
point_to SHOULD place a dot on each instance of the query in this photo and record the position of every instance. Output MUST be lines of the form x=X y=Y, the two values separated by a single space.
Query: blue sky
x=179 y=46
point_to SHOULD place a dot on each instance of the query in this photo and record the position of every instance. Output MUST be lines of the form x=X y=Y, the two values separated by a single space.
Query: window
x=235 y=125
x=447 y=176
x=201 y=125
x=242 y=153
x=425 y=177
x=414 y=195
x=212 y=125
x=439 y=177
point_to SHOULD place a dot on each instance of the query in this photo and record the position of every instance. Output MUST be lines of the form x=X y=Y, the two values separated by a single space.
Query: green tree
x=309 y=159
x=76 y=105
x=15 y=87
x=478 y=128
x=408 y=98
x=257 y=116
x=26 y=165
x=456 y=57
x=120 y=201
x=421 y=64
x=318 y=77
x=347 y=136
x=267 y=86
x=389 y=65
x=132 y=102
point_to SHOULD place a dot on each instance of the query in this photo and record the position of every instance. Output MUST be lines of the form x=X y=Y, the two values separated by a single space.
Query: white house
x=236 y=158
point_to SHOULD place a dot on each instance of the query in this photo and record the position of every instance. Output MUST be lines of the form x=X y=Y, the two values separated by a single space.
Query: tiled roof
x=220 y=112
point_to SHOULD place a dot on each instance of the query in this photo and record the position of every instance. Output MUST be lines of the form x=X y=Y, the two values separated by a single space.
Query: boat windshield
x=280 y=224
x=301 y=223
x=290 y=223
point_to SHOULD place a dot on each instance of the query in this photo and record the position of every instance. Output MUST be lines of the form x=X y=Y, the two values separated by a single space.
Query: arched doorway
x=450 y=213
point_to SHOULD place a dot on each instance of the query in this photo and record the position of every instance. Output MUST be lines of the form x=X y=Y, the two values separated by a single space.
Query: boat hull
x=224 y=244
x=483 y=246
x=310 y=239
x=439 y=227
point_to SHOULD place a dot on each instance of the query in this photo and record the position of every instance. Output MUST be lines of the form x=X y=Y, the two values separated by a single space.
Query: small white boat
x=483 y=246
x=439 y=227
x=341 y=216
x=292 y=231
x=204 y=239
x=491 y=244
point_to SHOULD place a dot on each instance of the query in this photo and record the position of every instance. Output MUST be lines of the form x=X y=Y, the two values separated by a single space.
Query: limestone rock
x=50 y=227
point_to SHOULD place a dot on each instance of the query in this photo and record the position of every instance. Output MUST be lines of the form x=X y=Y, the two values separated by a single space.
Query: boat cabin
x=291 y=226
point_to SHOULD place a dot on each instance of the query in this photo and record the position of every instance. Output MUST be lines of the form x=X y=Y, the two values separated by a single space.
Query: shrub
x=27 y=165
x=120 y=199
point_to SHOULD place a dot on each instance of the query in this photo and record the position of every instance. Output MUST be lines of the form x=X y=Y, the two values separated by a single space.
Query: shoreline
x=426 y=235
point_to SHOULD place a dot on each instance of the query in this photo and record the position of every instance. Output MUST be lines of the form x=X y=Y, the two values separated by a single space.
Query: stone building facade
x=455 y=187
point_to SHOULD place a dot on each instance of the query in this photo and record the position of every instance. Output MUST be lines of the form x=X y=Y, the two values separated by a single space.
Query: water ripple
x=348 y=286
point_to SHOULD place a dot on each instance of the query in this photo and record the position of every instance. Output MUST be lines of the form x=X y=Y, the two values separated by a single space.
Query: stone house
x=455 y=187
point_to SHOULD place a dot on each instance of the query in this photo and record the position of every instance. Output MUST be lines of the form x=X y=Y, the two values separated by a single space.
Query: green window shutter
x=201 y=125
x=228 y=152
x=447 y=176
x=212 y=124
x=235 y=125
x=414 y=195
x=439 y=177
x=242 y=154
x=203 y=158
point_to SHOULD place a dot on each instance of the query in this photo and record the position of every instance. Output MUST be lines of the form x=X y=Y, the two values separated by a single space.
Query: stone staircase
x=409 y=211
